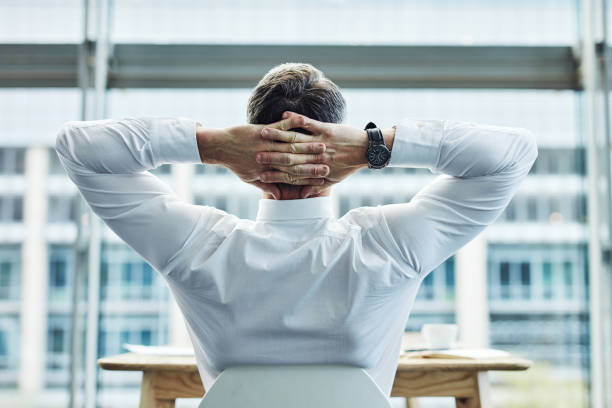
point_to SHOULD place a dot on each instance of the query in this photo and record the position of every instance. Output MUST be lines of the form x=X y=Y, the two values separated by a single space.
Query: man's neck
x=289 y=192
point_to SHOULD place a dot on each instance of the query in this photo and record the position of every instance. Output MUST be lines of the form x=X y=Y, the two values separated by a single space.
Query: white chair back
x=294 y=386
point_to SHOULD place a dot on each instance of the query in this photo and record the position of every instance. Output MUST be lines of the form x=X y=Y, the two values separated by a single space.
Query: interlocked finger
x=288 y=136
x=282 y=177
x=305 y=170
x=289 y=122
x=297 y=148
x=288 y=159
x=313 y=126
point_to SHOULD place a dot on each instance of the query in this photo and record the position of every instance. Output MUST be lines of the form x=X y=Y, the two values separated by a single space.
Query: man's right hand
x=345 y=151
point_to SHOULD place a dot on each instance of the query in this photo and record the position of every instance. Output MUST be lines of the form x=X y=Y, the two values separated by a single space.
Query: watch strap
x=375 y=136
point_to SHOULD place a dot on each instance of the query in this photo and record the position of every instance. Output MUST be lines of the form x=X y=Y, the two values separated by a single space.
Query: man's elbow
x=529 y=146
x=63 y=138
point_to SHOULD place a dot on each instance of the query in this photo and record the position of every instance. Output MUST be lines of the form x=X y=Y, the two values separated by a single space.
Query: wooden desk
x=166 y=378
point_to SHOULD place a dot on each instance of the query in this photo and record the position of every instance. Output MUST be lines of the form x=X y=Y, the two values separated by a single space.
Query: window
x=580 y=208
x=449 y=269
x=529 y=285
x=510 y=212
x=62 y=209
x=125 y=276
x=147 y=275
x=427 y=287
x=132 y=329
x=504 y=279
x=58 y=272
x=441 y=22
x=58 y=349
x=568 y=279
x=549 y=326
x=62 y=266
x=11 y=208
x=56 y=340
x=145 y=337
x=525 y=279
x=9 y=348
x=55 y=166
x=12 y=160
x=126 y=273
x=438 y=285
x=547 y=284
x=560 y=161
x=551 y=269
x=164 y=169
x=5 y=278
x=4 y=349
x=10 y=272
x=532 y=209
x=555 y=208
x=221 y=203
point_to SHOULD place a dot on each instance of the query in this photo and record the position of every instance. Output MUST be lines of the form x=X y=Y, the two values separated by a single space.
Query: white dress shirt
x=297 y=285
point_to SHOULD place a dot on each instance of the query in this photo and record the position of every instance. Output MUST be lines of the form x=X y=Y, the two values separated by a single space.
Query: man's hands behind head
x=344 y=152
x=236 y=148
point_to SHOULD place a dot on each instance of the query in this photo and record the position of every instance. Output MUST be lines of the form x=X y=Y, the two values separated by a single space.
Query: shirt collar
x=277 y=210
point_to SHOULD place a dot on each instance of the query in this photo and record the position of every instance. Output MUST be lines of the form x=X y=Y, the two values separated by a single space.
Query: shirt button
x=420 y=124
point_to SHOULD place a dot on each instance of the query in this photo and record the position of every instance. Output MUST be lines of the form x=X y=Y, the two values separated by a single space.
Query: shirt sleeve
x=109 y=160
x=480 y=167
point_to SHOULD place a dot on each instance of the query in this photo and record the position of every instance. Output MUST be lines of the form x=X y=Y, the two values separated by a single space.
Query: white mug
x=439 y=335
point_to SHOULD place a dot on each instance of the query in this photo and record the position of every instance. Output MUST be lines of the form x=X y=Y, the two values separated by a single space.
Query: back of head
x=299 y=88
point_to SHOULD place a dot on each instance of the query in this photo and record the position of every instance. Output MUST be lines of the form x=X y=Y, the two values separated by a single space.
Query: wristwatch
x=378 y=154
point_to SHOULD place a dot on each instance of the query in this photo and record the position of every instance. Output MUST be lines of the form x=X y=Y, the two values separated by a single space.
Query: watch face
x=378 y=156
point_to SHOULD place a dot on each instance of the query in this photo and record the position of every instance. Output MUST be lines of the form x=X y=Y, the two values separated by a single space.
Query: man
x=297 y=285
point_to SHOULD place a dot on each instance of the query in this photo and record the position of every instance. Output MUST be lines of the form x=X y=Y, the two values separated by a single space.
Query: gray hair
x=299 y=88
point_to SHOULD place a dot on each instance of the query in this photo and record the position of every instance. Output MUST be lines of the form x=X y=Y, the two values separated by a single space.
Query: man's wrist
x=210 y=144
x=360 y=154
x=388 y=136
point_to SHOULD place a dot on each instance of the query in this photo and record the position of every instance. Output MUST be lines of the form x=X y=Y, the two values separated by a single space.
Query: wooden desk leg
x=481 y=398
x=147 y=394
x=412 y=403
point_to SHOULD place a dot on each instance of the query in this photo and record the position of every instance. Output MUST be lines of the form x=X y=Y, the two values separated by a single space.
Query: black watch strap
x=377 y=154
x=375 y=136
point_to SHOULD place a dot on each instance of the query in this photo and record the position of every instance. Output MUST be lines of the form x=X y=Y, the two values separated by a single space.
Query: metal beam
x=39 y=65
x=238 y=66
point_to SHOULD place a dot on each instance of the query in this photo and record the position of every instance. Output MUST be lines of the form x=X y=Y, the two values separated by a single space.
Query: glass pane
x=61 y=270
x=346 y=21
x=34 y=116
x=551 y=326
x=10 y=292
x=10 y=273
x=41 y=21
x=537 y=257
x=12 y=160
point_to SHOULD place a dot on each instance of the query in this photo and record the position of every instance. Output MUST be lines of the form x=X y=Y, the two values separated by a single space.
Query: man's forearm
x=210 y=144
x=125 y=146
x=462 y=149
